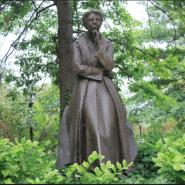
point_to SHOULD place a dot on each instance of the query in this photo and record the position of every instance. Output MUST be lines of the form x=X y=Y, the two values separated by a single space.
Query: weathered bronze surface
x=95 y=119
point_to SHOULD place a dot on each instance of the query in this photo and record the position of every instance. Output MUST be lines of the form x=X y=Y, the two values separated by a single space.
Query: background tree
x=150 y=69
x=165 y=26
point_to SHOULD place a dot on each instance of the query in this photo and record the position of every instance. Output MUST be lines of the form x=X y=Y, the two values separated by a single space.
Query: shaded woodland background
x=156 y=75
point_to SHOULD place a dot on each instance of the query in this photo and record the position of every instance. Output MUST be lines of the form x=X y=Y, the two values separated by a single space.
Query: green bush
x=22 y=162
x=146 y=152
x=171 y=158
x=25 y=162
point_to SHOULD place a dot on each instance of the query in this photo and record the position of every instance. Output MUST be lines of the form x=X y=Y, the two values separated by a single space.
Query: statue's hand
x=96 y=37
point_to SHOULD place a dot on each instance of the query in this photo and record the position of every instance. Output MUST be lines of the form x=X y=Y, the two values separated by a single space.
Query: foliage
x=14 y=125
x=42 y=117
x=155 y=73
x=146 y=167
x=101 y=175
x=45 y=115
x=171 y=158
x=25 y=162
x=164 y=89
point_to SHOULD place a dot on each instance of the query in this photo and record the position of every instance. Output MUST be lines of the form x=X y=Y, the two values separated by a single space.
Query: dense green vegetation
x=29 y=134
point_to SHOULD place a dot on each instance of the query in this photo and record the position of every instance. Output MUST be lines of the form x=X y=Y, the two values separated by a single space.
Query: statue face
x=93 y=22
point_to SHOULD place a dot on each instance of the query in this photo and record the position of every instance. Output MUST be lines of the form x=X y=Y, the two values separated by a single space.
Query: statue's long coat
x=82 y=132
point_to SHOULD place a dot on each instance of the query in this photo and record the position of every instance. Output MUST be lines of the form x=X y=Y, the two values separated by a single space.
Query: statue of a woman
x=96 y=116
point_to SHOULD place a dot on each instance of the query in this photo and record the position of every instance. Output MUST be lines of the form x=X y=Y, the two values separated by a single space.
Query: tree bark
x=65 y=48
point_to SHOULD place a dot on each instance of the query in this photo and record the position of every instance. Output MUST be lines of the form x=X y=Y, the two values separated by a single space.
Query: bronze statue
x=95 y=119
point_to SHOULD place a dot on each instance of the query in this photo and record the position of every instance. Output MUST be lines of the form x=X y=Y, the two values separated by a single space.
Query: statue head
x=92 y=19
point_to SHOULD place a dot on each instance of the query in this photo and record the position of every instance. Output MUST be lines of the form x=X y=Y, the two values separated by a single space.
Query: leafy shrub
x=171 y=158
x=146 y=152
x=101 y=175
x=25 y=162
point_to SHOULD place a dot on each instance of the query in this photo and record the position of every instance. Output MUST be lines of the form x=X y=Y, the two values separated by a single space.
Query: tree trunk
x=65 y=48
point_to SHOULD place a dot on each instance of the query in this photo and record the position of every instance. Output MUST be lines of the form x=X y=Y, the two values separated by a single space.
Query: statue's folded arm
x=84 y=70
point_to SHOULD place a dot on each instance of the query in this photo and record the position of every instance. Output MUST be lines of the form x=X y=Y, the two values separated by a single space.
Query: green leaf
x=8 y=181
x=114 y=169
x=81 y=170
x=119 y=165
x=124 y=163
x=172 y=138
x=23 y=140
x=16 y=141
x=11 y=144
x=177 y=167
x=178 y=158
x=94 y=154
x=97 y=171
x=91 y=159
x=86 y=164
x=5 y=172
x=100 y=156
x=83 y=180
x=108 y=164
x=37 y=181
x=183 y=166
x=51 y=163
x=102 y=166
x=31 y=181
x=130 y=164
x=159 y=143
x=92 y=177
x=68 y=174
x=78 y=176
x=18 y=148
x=4 y=141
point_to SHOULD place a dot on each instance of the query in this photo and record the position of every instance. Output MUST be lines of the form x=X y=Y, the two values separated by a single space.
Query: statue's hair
x=85 y=15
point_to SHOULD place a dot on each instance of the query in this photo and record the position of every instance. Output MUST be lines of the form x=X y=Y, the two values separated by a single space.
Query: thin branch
x=45 y=8
x=157 y=58
x=42 y=86
x=117 y=17
x=164 y=13
x=175 y=37
x=150 y=22
x=80 y=31
x=25 y=29
x=108 y=24
x=48 y=63
x=129 y=76
x=77 y=15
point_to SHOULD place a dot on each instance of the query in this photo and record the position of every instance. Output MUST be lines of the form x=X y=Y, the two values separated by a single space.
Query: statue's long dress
x=96 y=117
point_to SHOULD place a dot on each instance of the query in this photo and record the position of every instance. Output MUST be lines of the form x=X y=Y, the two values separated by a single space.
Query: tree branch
x=118 y=18
x=80 y=31
x=157 y=58
x=14 y=44
x=175 y=37
x=150 y=22
x=77 y=15
x=129 y=76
